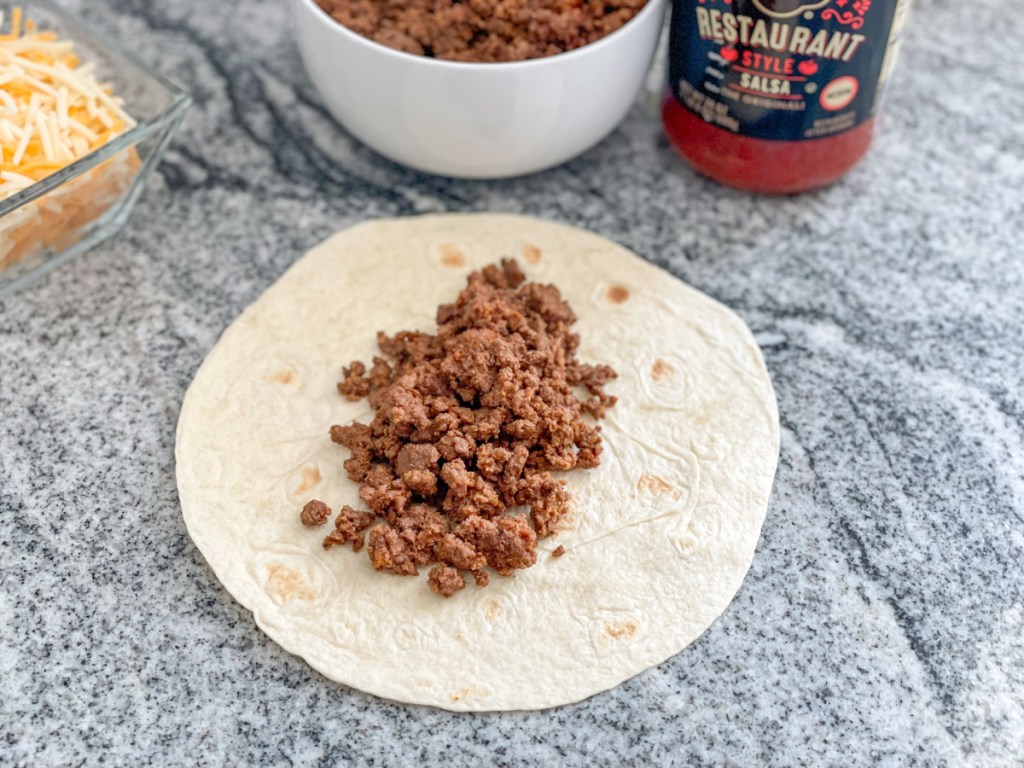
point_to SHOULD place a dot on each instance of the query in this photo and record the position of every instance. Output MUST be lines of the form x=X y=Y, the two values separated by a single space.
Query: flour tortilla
x=662 y=532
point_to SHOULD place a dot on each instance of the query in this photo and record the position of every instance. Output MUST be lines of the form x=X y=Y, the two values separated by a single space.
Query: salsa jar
x=778 y=96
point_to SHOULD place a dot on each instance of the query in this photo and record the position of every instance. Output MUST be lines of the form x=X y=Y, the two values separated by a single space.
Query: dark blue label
x=786 y=70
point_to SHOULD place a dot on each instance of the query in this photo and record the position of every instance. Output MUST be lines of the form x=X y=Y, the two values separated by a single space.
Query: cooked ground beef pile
x=469 y=423
x=483 y=30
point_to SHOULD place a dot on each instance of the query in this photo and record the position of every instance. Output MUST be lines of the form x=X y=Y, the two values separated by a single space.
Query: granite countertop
x=882 y=621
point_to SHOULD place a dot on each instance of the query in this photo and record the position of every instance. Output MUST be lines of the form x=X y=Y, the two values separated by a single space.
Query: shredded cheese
x=53 y=111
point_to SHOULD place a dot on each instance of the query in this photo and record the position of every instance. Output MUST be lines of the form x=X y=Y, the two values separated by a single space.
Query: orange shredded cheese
x=53 y=111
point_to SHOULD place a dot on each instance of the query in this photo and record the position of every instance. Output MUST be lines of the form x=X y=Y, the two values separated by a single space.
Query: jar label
x=786 y=70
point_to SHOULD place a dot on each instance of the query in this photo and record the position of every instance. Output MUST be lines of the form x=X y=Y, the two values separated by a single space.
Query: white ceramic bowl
x=477 y=121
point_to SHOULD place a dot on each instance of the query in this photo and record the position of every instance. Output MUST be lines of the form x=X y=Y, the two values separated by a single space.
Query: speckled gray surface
x=882 y=620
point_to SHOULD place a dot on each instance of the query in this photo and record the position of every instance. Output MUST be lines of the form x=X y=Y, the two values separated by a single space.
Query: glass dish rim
x=180 y=101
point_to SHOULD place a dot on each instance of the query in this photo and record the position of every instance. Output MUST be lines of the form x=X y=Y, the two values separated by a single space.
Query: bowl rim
x=179 y=104
x=652 y=7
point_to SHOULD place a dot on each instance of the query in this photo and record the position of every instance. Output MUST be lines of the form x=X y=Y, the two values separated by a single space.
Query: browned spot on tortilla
x=559 y=551
x=310 y=477
x=492 y=610
x=654 y=484
x=283 y=376
x=459 y=637
x=287 y=584
x=474 y=690
x=619 y=631
x=531 y=254
x=617 y=294
x=452 y=256
x=660 y=370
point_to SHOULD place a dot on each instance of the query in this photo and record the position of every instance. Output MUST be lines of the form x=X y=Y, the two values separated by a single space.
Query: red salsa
x=778 y=96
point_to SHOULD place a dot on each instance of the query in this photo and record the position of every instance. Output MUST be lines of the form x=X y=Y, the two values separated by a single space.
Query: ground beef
x=508 y=543
x=349 y=527
x=470 y=422
x=445 y=580
x=481 y=30
x=390 y=551
x=459 y=553
x=315 y=513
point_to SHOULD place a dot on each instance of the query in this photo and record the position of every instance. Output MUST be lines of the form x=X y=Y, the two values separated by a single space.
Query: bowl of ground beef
x=478 y=89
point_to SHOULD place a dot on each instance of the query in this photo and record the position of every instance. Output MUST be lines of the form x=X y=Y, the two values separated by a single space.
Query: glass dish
x=83 y=204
